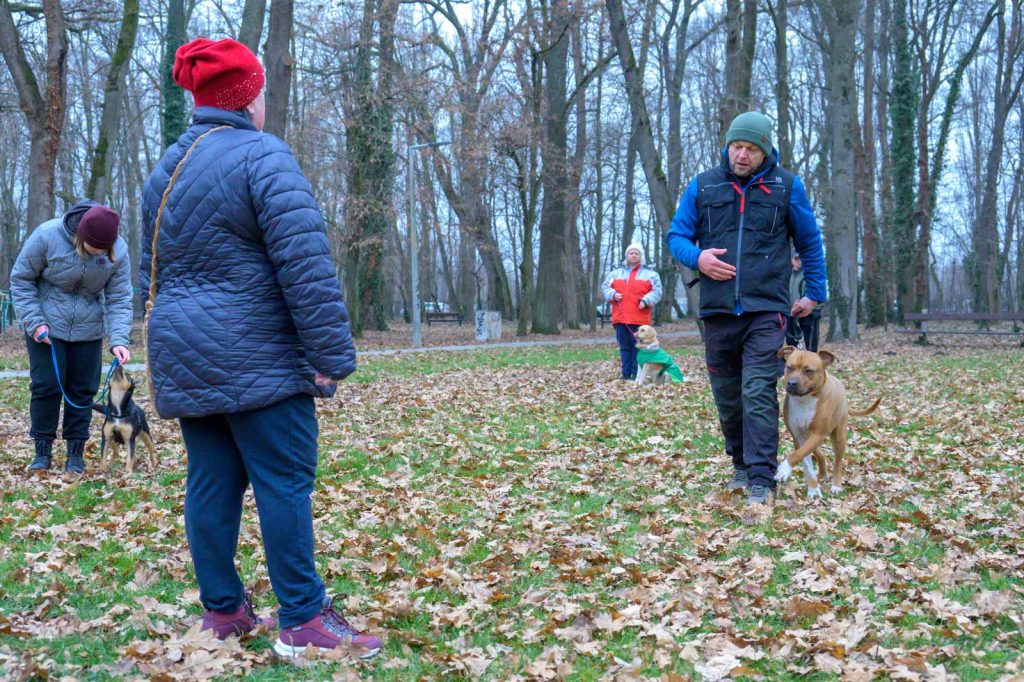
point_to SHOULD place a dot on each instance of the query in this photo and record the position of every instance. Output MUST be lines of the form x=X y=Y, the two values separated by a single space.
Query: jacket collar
x=221 y=117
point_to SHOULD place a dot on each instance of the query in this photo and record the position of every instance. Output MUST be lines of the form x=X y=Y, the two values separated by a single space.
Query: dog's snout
x=792 y=383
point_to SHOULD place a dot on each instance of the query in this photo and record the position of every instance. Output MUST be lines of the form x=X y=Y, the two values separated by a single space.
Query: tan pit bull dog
x=815 y=409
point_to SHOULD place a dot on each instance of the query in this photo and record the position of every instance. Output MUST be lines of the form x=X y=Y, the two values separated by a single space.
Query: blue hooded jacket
x=248 y=306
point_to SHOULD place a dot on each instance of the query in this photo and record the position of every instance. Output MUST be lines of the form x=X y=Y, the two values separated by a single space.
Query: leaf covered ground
x=519 y=514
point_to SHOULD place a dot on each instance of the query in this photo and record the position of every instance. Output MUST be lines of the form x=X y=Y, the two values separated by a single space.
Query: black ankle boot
x=44 y=456
x=76 y=458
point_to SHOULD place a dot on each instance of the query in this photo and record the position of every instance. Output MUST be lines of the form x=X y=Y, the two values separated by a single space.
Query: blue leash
x=56 y=370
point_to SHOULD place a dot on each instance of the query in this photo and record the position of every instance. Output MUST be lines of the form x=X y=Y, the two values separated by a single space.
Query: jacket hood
x=75 y=213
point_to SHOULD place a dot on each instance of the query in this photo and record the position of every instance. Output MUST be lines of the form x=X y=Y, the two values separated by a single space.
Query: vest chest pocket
x=766 y=213
x=719 y=215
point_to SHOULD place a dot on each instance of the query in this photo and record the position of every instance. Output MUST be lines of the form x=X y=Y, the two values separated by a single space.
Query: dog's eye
x=808 y=370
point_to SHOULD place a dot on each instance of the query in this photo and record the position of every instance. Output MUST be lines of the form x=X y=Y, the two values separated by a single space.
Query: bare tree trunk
x=550 y=303
x=251 y=31
x=641 y=120
x=113 y=97
x=741 y=26
x=369 y=127
x=1008 y=79
x=780 y=18
x=278 y=63
x=44 y=111
x=841 y=19
x=174 y=119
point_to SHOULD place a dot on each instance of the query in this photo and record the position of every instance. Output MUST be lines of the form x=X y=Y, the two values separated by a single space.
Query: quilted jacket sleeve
x=296 y=241
x=24 y=291
x=118 y=297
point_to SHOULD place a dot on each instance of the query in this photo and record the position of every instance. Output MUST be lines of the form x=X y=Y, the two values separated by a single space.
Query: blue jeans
x=624 y=334
x=275 y=449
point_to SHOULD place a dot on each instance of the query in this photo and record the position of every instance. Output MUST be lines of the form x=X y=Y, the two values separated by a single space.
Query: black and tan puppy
x=124 y=422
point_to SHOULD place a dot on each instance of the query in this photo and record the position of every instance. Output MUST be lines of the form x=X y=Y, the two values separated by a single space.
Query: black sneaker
x=759 y=494
x=739 y=480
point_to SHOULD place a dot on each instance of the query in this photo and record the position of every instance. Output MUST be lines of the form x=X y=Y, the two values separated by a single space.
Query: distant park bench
x=443 y=316
x=924 y=318
x=604 y=317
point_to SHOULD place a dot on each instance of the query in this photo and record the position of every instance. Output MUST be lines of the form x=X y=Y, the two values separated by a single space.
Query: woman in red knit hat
x=247 y=326
x=71 y=284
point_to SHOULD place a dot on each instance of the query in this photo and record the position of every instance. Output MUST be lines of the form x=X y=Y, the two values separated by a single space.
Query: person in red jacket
x=633 y=290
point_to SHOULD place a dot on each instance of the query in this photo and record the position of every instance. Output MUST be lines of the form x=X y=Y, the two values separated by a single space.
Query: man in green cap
x=734 y=225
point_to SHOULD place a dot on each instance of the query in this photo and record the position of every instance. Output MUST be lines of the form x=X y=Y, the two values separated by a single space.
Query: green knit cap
x=754 y=127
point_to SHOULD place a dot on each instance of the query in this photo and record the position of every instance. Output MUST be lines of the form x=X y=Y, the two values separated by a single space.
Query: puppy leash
x=56 y=371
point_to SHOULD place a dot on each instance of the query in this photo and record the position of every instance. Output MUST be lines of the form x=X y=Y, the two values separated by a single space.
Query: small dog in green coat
x=655 y=364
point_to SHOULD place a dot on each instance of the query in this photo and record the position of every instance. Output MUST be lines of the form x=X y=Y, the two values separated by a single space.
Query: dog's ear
x=785 y=352
x=827 y=358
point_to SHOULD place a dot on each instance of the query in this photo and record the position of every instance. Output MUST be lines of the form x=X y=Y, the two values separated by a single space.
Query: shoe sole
x=287 y=651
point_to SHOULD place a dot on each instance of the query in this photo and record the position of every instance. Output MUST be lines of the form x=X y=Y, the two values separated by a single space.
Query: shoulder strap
x=152 y=266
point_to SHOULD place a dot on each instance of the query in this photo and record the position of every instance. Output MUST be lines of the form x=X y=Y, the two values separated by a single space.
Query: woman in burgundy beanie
x=71 y=284
x=247 y=328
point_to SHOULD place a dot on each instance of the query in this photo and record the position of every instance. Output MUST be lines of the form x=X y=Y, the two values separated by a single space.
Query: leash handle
x=151 y=299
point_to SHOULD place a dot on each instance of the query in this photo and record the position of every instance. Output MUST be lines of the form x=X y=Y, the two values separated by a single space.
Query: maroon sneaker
x=237 y=622
x=326 y=630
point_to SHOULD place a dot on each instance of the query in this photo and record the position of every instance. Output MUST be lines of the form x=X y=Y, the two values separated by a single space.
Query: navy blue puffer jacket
x=248 y=306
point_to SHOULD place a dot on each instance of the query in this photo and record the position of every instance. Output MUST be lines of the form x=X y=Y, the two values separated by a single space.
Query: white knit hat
x=636 y=247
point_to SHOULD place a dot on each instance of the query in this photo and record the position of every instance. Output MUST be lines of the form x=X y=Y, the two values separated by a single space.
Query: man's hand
x=41 y=334
x=617 y=297
x=803 y=307
x=643 y=305
x=321 y=380
x=709 y=264
x=122 y=354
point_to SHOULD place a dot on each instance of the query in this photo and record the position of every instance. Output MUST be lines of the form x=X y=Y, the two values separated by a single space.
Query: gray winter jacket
x=77 y=298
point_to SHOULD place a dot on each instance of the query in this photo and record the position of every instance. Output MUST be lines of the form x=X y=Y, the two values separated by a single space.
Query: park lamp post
x=414 y=249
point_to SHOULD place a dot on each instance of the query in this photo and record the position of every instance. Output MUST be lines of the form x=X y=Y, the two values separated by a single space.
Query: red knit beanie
x=98 y=227
x=219 y=73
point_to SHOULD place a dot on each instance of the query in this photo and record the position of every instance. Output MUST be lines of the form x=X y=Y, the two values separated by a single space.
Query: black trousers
x=805 y=328
x=744 y=369
x=80 y=363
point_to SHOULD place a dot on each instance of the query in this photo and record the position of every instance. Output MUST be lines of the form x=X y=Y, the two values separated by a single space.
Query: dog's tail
x=864 y=413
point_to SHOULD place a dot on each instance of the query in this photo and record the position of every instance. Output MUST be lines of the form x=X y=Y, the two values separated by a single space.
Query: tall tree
x=278 y=63
x=840 y=20
x=550 y=301
x=113 y=98
x=251 y=31
x=175 y=118
x=369 y=127
x=741 y=34
x=903 y=103
x=44 y=110
x=1009 y=76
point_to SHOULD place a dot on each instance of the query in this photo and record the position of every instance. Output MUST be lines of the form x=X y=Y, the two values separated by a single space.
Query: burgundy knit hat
x=219 y=73
x=98 y=227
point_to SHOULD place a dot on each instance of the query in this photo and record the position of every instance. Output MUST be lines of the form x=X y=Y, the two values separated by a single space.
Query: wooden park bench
x=924 y=318
x=604 y=316
x=443 y=316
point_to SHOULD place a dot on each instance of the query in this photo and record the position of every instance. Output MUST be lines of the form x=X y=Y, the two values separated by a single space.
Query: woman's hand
x=122 y=354
x=41 y=334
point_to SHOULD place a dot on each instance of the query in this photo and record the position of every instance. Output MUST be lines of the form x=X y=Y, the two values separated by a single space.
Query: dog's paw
x=814 y=492
x=784 y=471
x=836 y=489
